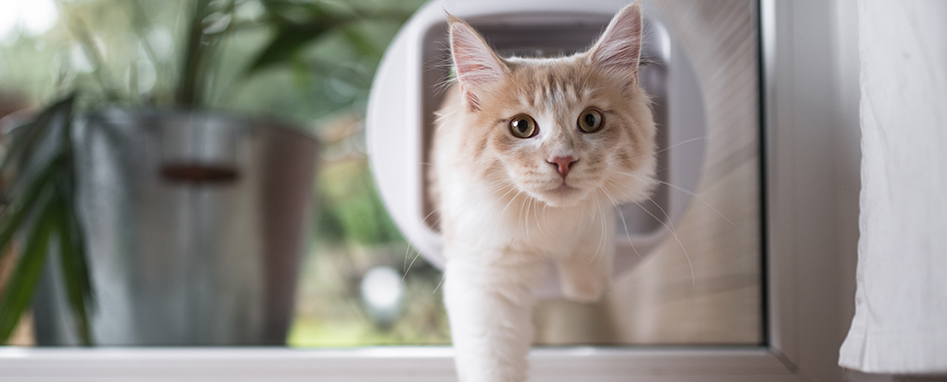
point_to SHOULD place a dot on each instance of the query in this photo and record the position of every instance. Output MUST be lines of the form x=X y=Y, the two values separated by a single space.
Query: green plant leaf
x=140 y=26
x=73 y=265
x=17 y=138
x=26 y=137
x=362 y=44
x=40 y=160
x=19 y=290
x=188 y=91
x=289 y=40
x=90 y=49
x=297 y=24
x=23 y=207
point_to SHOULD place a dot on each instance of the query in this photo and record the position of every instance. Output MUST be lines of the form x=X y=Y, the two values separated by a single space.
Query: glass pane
x=360 y=283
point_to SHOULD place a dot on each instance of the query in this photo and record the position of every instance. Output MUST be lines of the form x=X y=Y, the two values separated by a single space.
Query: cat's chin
x=562 y=196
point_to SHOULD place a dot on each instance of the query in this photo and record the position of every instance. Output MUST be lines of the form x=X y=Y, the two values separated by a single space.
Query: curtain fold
x=900 y=323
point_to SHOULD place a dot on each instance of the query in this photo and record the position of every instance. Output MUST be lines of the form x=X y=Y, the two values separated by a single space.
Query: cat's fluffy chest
x=499 y=219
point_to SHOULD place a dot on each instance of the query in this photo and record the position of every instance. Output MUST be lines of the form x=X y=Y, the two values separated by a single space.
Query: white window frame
x=807 y=257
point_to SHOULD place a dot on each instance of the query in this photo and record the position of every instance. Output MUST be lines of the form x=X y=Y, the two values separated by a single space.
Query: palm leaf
x=188 y=91
x=362 y=44
x=289 y=40
x=41 y=194
x=72 y=261
x=22 y=208
x=26 y=137
x=297 y=24
x=19 y=290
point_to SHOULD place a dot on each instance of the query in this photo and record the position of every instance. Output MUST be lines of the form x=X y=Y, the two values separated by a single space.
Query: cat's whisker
x=605 y=243
x=588 y=228
x=598 y=206
x=623 y=223
x=604 y=239
x=601 y=240
x=680 y=143
x=545 y=213
x=503 y=212
x=498 y=185
x=534 y=206
x=407 y=269
x=526 y=218
x=674 y=234
x=666 y=225
x=483 y=213
x=403 y=277
x=493 y=187
x=438 y=284
x=539 y=222
x=617 y=186
x=404 y=268
x=684 y=190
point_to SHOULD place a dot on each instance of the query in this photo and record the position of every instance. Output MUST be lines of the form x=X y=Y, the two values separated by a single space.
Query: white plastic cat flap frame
x=407 y=91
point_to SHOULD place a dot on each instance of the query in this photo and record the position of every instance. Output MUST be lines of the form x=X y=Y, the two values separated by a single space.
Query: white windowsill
x=381 y=364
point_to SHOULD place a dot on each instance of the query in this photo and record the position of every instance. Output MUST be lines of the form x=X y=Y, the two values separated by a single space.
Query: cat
x=530 y=156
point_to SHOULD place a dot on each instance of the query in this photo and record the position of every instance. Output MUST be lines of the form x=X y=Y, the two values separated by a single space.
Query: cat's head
x=563 y=130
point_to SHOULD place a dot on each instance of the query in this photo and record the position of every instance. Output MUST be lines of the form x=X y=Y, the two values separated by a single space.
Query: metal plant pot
x=195 y=223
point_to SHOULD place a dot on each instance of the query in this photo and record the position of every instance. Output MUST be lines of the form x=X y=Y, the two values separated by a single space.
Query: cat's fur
x=509 y=205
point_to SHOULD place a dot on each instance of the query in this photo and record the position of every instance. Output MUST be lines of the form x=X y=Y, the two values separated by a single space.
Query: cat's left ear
x=477 y=66
x=619 y=48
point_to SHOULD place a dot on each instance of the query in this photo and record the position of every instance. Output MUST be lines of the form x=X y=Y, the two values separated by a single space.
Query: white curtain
x=900 y=323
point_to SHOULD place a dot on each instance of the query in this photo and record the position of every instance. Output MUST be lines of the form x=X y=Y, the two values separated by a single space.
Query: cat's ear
x=476 y=65
x=619 y=48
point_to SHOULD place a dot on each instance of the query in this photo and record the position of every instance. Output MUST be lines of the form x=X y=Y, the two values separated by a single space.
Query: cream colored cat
x=531 y=155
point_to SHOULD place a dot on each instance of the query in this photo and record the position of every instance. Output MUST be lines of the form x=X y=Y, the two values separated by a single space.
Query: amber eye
x=590 y=120
x=523 y=126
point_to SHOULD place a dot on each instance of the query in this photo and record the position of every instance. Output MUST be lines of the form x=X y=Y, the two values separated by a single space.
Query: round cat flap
x=409 y=89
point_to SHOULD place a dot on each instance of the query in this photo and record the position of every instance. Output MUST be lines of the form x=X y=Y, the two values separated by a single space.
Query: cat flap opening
x=408 y=90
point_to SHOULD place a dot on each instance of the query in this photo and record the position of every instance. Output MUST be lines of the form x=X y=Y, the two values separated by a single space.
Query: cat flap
x=408 y=90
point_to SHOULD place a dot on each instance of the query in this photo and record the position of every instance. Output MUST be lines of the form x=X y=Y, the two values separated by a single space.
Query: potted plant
x=176 y=225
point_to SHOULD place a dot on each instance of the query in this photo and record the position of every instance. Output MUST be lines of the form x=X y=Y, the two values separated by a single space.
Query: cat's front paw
x=584 y=289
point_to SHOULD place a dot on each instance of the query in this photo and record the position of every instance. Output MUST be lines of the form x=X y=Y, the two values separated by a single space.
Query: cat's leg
x=490 y=309
x=586 y=273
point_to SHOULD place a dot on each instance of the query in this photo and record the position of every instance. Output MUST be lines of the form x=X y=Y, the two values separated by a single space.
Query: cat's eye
x=590 y=120
x=523 y=126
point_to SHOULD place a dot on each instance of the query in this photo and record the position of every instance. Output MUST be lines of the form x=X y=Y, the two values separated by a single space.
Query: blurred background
x=311 y=64
x=321 y=86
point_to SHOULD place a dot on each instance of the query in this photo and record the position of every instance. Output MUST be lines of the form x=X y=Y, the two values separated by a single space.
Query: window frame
x=805 y=308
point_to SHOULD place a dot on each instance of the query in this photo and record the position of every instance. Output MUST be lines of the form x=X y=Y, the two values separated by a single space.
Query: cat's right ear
x=619 y=48
x=475 y=64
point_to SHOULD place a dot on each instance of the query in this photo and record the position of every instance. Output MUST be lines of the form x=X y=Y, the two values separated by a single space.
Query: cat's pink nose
x=563 y=164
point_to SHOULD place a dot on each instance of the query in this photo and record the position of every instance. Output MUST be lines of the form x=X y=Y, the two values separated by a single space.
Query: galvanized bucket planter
x=195 y=225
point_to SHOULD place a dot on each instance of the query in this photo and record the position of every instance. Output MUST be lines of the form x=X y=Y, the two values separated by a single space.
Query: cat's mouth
x=562 y=195
x=562 y=186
